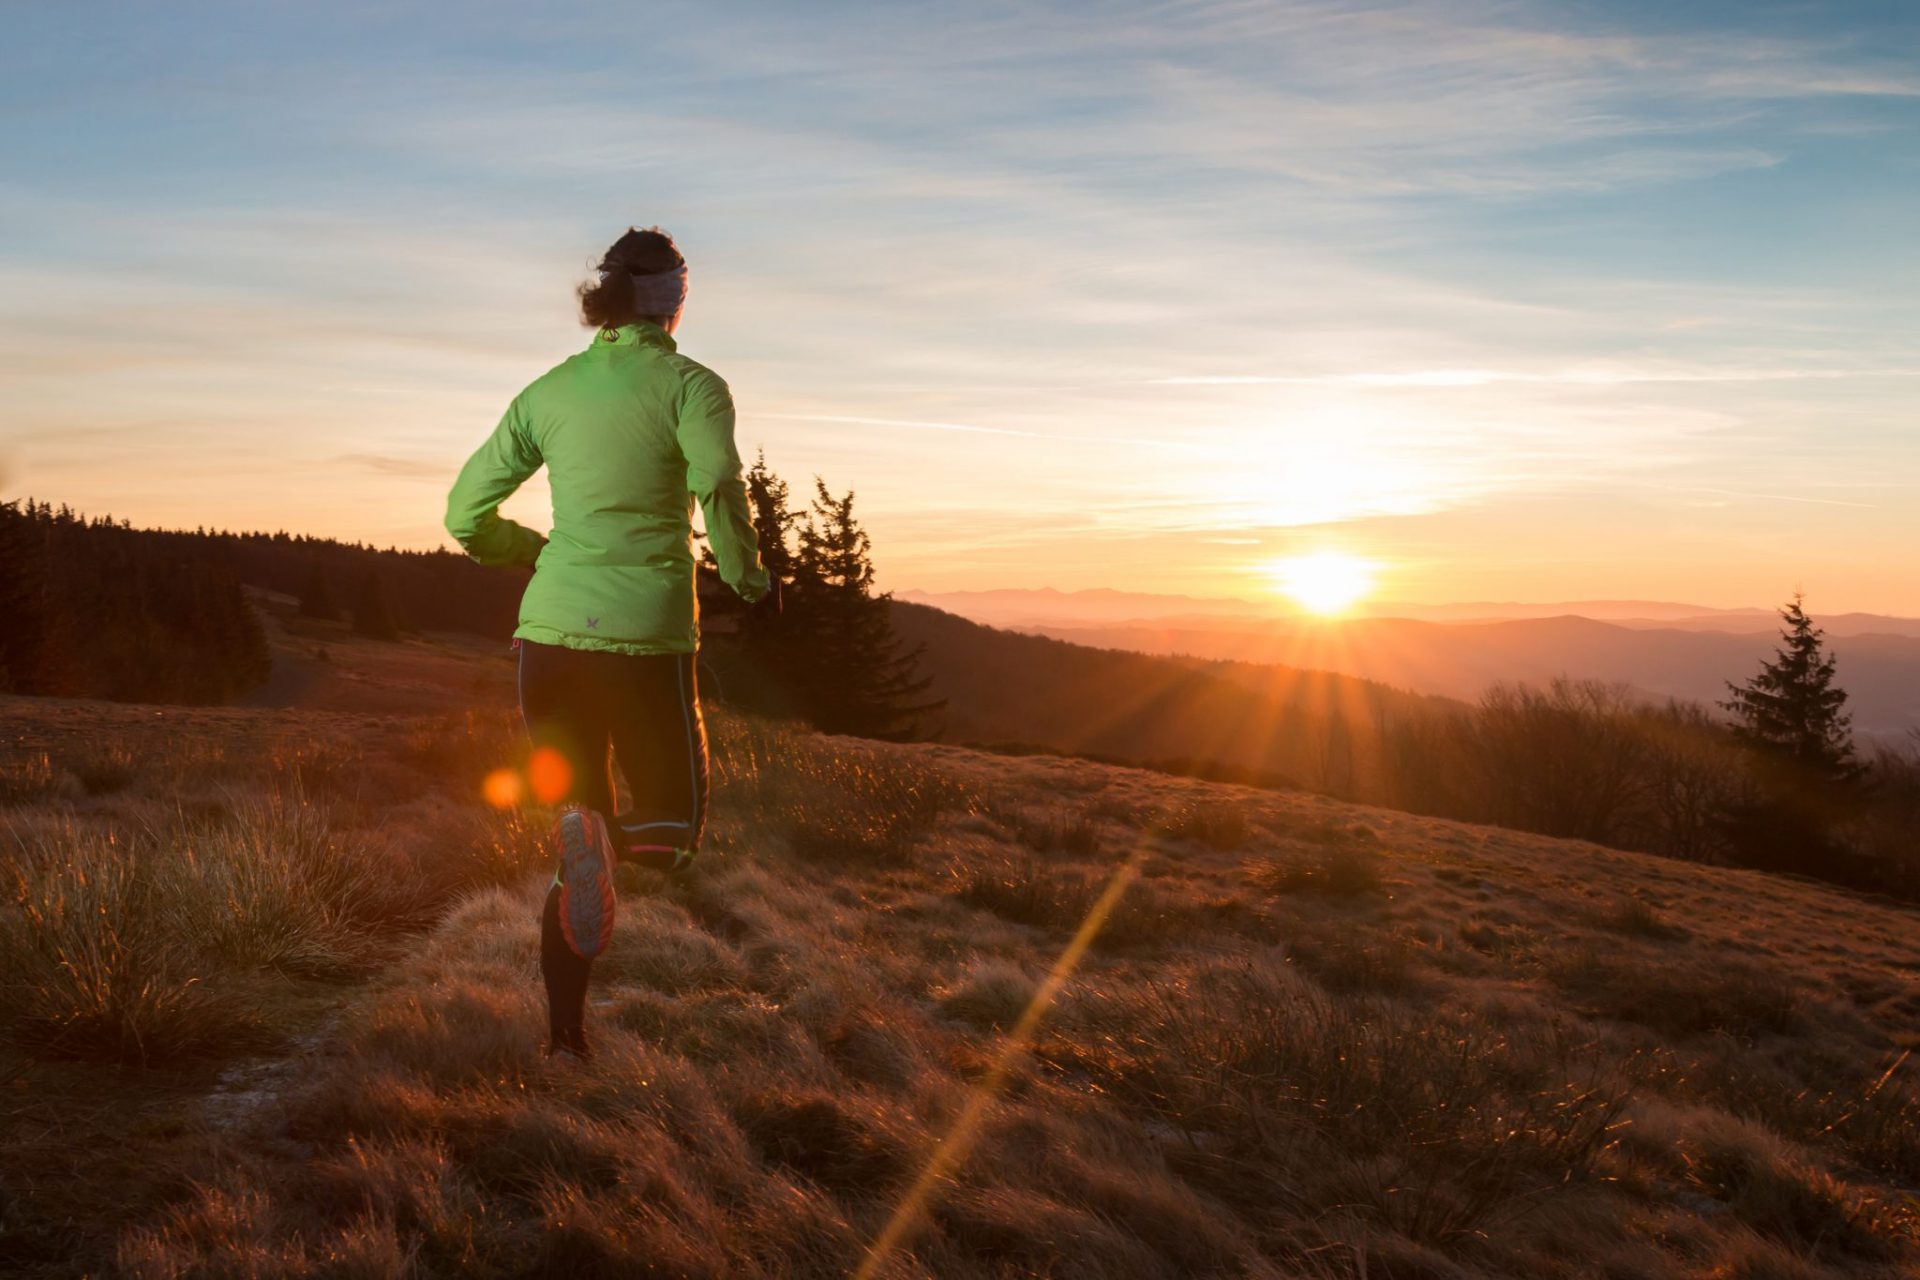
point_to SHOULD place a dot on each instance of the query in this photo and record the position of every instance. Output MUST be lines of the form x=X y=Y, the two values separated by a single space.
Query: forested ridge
x=95 y=608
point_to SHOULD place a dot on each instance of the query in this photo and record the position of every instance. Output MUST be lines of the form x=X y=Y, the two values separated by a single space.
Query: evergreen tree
x=22 y=572
x=316 y=595
x=1792 y=710
x=772 y=644
x=772 y=518
x=373 y=614
x=855 y=678
x=1802 y=773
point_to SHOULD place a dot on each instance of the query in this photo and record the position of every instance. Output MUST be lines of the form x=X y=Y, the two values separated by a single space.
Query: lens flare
x=503 y=788
x=550 y=775
x=953 y=1148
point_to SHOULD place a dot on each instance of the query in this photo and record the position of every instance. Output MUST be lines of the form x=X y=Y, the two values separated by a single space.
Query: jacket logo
x=593 y=624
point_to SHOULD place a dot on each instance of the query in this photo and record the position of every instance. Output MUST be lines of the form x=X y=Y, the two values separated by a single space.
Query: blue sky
x=1517 y=301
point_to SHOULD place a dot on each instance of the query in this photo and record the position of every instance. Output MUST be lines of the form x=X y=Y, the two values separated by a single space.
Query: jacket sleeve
x=495 y=470
x=714 y=478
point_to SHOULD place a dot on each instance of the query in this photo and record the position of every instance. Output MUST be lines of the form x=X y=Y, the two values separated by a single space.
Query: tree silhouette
x=1792 y=709
x=373 y=614
x=95 y=609
x=772 y=518
x=21 y=588
x=316 y=595
x=1803 y=773
x=856 y=677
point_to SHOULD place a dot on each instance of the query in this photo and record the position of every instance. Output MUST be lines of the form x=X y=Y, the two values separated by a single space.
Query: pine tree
x=373 y=614
x=1792 y=709
x=316 y=595
x=855 y=677
x=772 y=519
x=22 y=577
x=771 y=640
x=1803 y=778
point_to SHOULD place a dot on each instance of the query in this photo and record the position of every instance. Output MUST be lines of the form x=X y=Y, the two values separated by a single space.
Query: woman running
x=631 y=433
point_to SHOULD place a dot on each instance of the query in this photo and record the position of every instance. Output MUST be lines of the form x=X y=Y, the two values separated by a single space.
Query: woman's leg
x=660 y=740
x=565 y=713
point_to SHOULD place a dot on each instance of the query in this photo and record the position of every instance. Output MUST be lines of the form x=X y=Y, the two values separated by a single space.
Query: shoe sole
x=586 y=883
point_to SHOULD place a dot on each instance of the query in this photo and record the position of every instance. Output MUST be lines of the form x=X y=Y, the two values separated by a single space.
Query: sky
x=1512 y=301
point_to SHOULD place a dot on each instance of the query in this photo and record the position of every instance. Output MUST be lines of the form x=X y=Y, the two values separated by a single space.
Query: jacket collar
x=635 y=335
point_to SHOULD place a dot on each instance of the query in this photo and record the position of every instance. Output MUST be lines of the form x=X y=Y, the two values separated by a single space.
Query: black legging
x=591 y=707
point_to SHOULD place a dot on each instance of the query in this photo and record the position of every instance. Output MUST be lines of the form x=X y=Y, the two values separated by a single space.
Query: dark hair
x=607 y=303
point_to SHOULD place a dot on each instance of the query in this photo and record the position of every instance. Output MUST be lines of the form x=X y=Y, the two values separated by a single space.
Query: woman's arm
x=714 y=478
x=495 y=470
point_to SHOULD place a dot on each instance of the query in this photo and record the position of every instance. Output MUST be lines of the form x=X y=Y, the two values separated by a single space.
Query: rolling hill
x=1310 y=728
x=919 y=1012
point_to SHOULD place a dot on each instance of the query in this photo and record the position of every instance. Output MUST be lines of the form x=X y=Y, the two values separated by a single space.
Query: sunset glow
x=1274 y=277
x=1326 y=582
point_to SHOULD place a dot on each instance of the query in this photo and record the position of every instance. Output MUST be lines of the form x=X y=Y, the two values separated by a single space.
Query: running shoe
x=586 y=880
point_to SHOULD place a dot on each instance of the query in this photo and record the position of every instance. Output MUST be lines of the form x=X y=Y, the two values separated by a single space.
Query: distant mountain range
x=1016 y=607
x=1046 y=607
x=1659 y=649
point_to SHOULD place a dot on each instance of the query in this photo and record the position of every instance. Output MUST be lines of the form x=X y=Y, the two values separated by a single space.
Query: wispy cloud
x=411 y=467
x=1100 y=439
x=1212 y=270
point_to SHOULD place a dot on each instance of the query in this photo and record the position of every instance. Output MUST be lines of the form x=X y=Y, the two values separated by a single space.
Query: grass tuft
x=1337 y=871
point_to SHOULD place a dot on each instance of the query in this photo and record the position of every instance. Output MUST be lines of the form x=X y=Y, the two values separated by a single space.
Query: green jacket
x=631 y=433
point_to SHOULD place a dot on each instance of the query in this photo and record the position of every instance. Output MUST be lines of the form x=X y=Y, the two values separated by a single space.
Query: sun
x=1324 y=582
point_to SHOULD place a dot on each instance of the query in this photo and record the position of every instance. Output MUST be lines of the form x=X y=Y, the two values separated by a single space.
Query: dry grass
x=1311 y=1040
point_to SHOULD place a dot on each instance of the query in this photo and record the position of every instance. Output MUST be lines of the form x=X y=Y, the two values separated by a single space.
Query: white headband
x=661 y=294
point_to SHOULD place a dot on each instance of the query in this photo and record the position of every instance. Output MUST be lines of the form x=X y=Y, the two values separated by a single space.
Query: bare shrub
x=1567 y=760
x=1693 y=774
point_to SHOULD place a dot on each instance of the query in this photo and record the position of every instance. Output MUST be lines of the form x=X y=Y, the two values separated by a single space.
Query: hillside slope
x=1304 y=1039
x=1311 y=728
